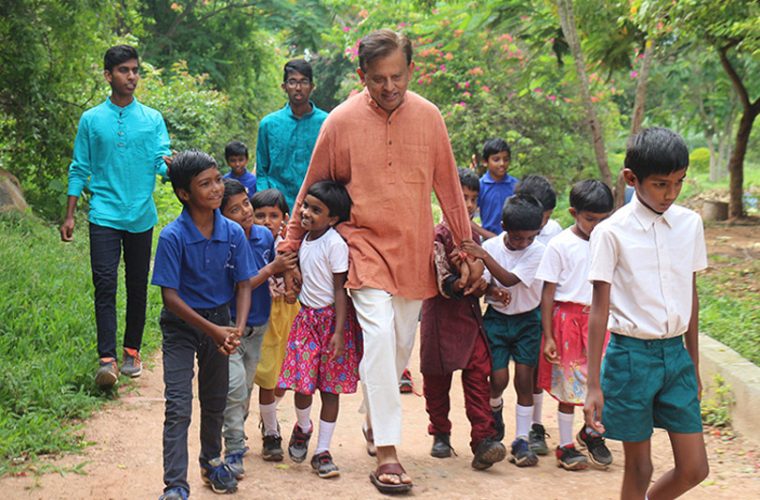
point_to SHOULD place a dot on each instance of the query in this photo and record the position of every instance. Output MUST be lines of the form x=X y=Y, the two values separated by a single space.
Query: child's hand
x=337 y=346
x=284 y=262
x=592 y=410
x=550 y=351
x=476 y=268
x=477 y=289
x=290 y=292
x=464 y=276
x=472 y=248
x=226 y=339
x=500 y=294
x=283 y=228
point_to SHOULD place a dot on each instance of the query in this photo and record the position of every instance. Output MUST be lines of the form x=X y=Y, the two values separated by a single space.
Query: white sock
x=277 y=400
x=538 y=406
x=269 y=417
x=496 y=403
x=304 y=418
x=325 y=436
x=565 y=421
x=523 y=416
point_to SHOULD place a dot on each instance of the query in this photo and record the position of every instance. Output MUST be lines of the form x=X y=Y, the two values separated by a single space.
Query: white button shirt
x=526 y=295
x=649 y=259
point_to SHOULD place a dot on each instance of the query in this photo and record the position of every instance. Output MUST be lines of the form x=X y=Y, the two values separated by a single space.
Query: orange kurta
x=390 y=164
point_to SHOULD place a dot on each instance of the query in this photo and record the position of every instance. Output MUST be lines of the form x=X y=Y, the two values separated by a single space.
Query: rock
x=11 y=196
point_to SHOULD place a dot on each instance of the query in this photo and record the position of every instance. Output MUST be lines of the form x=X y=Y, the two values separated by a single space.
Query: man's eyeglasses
x=297 y=83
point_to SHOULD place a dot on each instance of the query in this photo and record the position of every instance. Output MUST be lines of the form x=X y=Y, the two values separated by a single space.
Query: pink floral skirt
x=307 y=366
x=566 y=381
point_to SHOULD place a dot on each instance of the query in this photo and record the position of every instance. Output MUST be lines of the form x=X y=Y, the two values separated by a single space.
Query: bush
x=699 y=160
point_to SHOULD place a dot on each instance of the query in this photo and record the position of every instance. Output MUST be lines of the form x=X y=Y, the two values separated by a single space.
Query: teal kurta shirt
x=117 y=155
x=283 y=150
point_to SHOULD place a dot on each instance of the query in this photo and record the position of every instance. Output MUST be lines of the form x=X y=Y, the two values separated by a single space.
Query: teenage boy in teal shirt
x=120 y=147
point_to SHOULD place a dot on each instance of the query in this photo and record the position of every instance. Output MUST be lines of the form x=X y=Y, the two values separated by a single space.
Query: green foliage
x=47 y=339
x=716 y=410
x=699 y=160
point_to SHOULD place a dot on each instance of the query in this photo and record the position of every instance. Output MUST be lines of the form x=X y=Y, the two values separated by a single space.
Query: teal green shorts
x=646 y=384
x=516 y=336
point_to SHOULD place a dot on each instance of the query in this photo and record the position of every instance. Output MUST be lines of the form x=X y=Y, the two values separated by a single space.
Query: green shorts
x=646 y=384
x=516 y=336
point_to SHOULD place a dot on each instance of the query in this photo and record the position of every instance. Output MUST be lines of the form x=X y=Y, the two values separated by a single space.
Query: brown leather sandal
x=394 y=469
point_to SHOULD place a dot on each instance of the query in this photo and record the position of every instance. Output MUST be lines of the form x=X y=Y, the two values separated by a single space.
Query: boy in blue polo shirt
x=644 y=260
x=496 y=186
x=200 y=259
x=236 y=156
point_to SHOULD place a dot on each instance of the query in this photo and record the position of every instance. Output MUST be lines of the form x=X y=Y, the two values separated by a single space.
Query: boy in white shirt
x=644 y=261
x=513 y=320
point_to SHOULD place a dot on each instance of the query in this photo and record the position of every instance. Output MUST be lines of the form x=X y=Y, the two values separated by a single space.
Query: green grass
x=47 y=340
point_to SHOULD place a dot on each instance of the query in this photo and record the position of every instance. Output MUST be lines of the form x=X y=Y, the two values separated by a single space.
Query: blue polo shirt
x=247 y=179
x=117 y=154
x=261 y=242
x=203 y=271
x=491 y=200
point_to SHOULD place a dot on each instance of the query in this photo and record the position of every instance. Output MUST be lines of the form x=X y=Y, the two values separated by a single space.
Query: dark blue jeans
x=181 y=344
x=105 y=253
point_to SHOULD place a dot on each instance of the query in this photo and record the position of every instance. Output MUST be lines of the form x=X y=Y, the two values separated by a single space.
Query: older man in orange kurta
x=390 y=148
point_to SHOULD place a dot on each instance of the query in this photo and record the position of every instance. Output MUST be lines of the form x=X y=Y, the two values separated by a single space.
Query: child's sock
x=523 y=416
x=496 y=403
x=277 y=400
x=325 y=436
x=565 y=421
x=304 y=418
x=538 y=406
x=269 y=417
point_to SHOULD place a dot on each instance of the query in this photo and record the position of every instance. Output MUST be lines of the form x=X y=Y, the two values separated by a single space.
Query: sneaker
x=570 y=459
x=272 y=449
x=405 y=385
x=537 y=440
x=218 y=476
x=108 y=373
x=323 y=465
x=441 y=446
x=131 y=365
x=498 y=422
x=174 y=494
x=522 y=455
x=488 y=452
x=597 y=450
x=298 y=446
x=234 y=461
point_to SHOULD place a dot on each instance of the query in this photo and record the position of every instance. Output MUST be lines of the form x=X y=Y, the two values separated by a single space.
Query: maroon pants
x=476 y=395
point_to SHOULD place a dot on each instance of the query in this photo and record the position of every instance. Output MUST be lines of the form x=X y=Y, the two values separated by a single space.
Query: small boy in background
x=201 y=257
x=270 y=209
x=513 y=326
x=236 y=156
x=496 y=186
x=243 y=362
x=644 y=261
x=452 y=338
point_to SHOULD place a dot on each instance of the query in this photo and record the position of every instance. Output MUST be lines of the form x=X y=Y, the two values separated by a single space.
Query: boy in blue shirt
x=243 y=362
x=236 y=156
x=496 y=186
x=200 y=259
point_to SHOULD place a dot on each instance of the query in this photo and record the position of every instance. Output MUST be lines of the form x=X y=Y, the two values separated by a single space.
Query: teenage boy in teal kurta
x=119 y=149
x=287 y=137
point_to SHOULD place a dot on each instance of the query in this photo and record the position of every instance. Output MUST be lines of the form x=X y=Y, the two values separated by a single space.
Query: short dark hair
x=270 y=198
x=495 y=146
x=522 y=212
x=185 y=166
x=335 y=197
x=469 y=179
x=540 y=187
x=300 y=66
x=231 y=188
x=235 y=148
x=381 y=43
x=656 y=150
x=117 y=55
x=591 y=195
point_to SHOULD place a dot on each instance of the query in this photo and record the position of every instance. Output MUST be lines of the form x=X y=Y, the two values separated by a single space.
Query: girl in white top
x=565 y=306
x=323 y=350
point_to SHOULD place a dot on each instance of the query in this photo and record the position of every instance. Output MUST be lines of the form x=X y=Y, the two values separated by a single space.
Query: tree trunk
x=710 y=140
x=724 y=143
x=567 y=21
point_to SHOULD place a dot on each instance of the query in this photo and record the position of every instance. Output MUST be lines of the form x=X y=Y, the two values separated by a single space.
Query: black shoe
x=487 y=453
x=537 y=440
x=441 y=446
x=272 y=449
x=498 y=423
x=598 y=452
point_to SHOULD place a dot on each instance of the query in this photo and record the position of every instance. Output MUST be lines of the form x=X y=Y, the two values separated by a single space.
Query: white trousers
x=389 y=324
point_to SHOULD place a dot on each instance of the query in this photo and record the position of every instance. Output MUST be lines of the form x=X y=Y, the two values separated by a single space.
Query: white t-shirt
x=526 y=295
x=566 y=262
x=649 y=259
x=549 y=231
x=319 y=260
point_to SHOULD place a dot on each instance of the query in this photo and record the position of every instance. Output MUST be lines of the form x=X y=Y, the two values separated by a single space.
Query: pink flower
x=442 y=67
x=538 y=90
x=552 y=97
x=462 y=104
x=466 y=94
x=346 y=29
x=467 y=84
x=485 y=89
x=634 y=74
